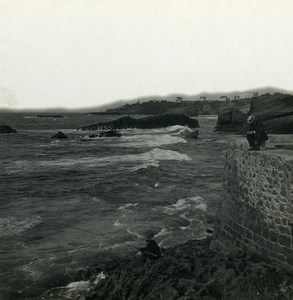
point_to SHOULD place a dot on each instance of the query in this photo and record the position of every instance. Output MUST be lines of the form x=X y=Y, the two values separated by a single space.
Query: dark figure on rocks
x=152 y=250
x=256 y=135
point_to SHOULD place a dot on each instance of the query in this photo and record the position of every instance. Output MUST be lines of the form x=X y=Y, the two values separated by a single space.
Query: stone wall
x=256 y=212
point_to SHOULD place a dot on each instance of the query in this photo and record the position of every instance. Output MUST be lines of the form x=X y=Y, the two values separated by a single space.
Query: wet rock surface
x=6 y=129
x=186 y=271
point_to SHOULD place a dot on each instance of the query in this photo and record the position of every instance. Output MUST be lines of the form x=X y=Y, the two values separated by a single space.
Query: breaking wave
x=149 y=140
x=149 y=158
x=128 y=205
x=190 y=203
x=15 y=225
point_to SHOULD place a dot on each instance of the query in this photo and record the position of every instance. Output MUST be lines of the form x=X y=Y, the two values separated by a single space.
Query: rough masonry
x=256 y=212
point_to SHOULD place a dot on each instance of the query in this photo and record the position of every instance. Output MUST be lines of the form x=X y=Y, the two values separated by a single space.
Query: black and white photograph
x=146 y=150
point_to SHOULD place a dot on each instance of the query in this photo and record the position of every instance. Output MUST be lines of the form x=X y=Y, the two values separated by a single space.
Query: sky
x=82 y=53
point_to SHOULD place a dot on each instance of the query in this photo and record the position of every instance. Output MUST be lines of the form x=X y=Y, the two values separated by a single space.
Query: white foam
x=16 y=225
x=149 y=140
x=31 y=270
x=117 y=224
x=184 y=227
x=145 y=166
x=127 y=205
x=184 y=216
x=97 y=199
x=191 y=203
x=78 y=285
x=134 y=233
x=99 y=277
x=178 y=129
x=163 y=232
x=149 y=158
x=156 y=184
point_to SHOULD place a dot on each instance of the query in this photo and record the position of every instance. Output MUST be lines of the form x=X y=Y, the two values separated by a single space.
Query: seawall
x=256 y=212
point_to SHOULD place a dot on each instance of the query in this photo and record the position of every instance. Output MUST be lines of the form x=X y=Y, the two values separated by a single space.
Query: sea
x=68 y=205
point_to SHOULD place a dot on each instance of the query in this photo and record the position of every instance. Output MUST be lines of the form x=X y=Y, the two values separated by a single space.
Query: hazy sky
x=74 y=53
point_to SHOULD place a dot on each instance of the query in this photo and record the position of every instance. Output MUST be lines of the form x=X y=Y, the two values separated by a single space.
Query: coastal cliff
x=275 y=111
x=249 y=255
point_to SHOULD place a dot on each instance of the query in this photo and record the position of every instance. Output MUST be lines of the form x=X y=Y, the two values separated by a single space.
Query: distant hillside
x=191 y=108
x=114 y=107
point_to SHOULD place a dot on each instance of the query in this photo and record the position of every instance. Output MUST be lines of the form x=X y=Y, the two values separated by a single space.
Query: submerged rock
x=59 y=136
x=157 y=121
x=6 y=129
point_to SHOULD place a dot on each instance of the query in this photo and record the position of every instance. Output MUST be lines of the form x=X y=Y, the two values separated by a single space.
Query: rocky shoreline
x=186 y=271
x=275 y=111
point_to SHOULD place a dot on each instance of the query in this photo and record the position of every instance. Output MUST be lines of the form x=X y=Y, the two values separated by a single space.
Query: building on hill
x=224 y=98
x=247 y=95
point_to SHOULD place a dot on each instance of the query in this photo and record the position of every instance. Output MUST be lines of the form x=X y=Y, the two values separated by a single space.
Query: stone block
x=258 y=229
x=249 y=235
x=273 y=236
x=284 y=230
x=285 y=240
x=270 y=246
x=266 y=233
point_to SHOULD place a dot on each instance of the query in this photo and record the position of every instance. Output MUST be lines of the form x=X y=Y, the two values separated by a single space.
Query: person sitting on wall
x=256 y=135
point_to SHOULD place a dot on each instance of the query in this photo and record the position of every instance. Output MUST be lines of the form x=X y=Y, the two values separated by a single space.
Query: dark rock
x=59 y=136
x=157 y=121
x=109 y=133
x=275 y=111
x=231 y=120
x=181 y=274
x=6 y=129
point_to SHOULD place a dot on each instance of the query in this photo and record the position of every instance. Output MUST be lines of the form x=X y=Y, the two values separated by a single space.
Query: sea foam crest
x=153 y=157
x=149 y=140
x=178 y=129
x=149 y=158
x=127 y=205
x=15 y=225
x=190 y=203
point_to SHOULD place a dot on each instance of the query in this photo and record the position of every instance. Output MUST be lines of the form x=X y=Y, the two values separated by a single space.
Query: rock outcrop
x=110 y=133
x=59 y=136
x=275 y=111
x=151 y=122
x=186 y=271
x=6 y=129
x=231 y=120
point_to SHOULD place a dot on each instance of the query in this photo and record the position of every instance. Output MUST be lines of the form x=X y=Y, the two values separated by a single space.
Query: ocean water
x=113 y=189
